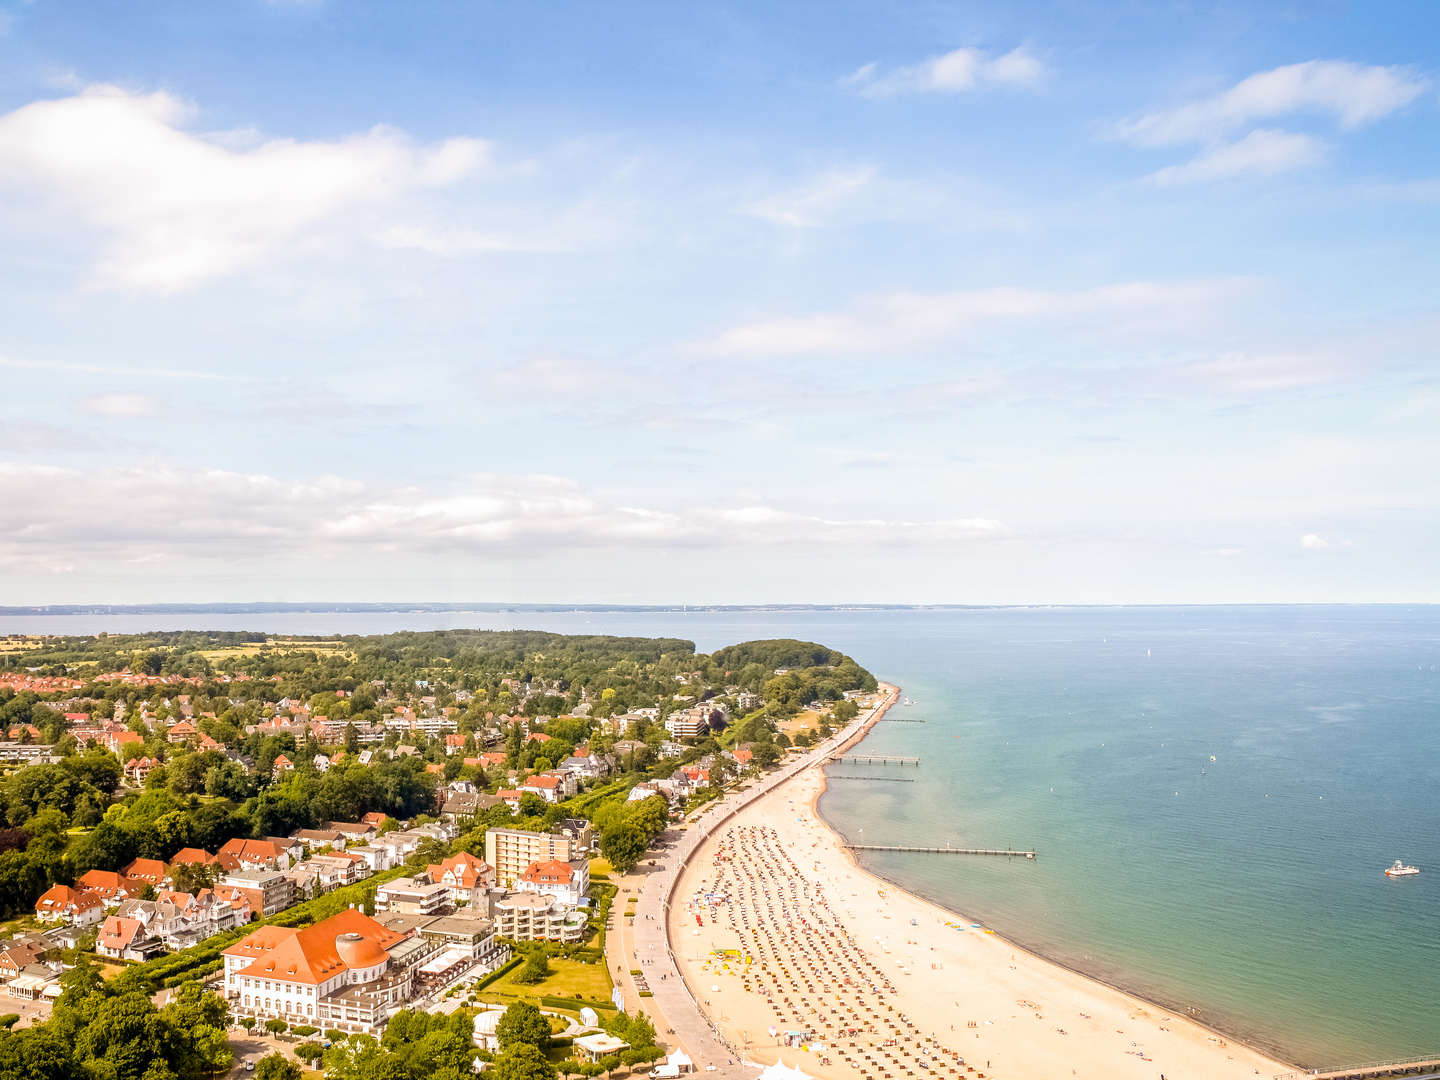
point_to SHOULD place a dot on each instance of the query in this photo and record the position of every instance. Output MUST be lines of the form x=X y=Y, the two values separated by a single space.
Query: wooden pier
x=874 y=759
x=888 y=719
x=1375 y=1071
x=941 y=850
x=877 y=779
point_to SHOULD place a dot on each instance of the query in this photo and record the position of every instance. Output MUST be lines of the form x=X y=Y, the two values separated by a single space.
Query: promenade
x=645 y=944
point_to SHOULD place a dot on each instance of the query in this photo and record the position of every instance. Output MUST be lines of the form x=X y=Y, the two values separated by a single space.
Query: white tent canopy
x=680 y=1060
x=781 y=1071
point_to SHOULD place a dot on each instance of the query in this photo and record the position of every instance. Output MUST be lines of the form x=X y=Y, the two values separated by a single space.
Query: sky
x=1081 y=302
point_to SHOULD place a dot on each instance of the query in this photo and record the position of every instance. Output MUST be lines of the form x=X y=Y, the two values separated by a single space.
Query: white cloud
x=1354 y=94
x=1261 y=372
x=814 y=203
x=175 y=208
x=122 y=406
x=1260 y=153
x=896 y=320
x=953 y=72
x=1311 y=542
x=60 y=513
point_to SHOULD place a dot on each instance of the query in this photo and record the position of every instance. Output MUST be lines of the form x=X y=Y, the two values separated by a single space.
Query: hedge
x=508 y=966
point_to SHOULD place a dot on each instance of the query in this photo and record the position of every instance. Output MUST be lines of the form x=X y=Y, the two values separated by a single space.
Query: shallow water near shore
x=1249 y=888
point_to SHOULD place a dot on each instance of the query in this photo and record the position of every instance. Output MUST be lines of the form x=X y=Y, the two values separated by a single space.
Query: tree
x=521 y=1062
x=310 y=1052
x=623 y=845
x=522 y=1023
x=277 y=1067
x=276 y=1027
x=536 y=969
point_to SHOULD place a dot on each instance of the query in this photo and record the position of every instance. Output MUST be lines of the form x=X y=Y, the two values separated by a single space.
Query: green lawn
x=567 y=978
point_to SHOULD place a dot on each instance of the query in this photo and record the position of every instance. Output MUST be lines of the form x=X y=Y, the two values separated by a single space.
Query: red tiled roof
x=317 y=953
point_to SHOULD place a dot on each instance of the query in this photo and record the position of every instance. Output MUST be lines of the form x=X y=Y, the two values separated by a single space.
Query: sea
x=1213 y=792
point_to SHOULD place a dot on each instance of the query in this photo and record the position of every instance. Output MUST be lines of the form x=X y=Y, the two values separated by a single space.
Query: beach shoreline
x=1105 y=1024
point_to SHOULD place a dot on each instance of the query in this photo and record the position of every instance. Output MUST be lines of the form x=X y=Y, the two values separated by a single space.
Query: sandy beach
x=772 y=901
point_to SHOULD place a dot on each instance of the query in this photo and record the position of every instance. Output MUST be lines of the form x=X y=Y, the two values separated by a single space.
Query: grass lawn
x=567 y=978
x=109 y=971
x=601 y=865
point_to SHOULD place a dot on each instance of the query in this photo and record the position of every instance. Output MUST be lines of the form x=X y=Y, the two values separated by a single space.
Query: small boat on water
x=1401 y=870
x=907 y=701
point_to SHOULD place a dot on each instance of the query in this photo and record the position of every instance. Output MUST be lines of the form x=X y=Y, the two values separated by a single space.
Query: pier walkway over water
x=1377 y=1070
x=947 y=850
x=872 y=759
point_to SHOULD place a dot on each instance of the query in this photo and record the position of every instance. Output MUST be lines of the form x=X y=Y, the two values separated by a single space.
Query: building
x=512 y=851
x=347 y=972
x=567 y=882
x=408 y=896
x=108 y=887
x=464 y=875
x=551 y=787
x=243 y=854
x=26 y=753
x=61 y=903
x=689 y=724
x=126 y=939
x=149 y=871
x=268 y=891
x=529 y=916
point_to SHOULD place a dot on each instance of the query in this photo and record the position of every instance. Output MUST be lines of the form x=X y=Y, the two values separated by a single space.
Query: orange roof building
x=61 y=903
x=345 y=972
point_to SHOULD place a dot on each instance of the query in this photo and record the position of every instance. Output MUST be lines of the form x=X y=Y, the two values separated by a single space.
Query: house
x=464 y=875
x=374 y=819
x=138 y=770
x=15 y=956
x=318 y=838
x=357 y=830
x=549 y=787
x=281 y=765
x=454 y=744
x=321 y=763
x=108 y=887
x=567 y=882
x=61 y=903
x=584 y=767
x=181 y=732
x=149 y=871
x=510 y=797
x=125 y=939
x=192 y=855
x=116 y=741
x=537 y=737
x=239 y=853
x=267 y=891
x=463 y=805
x=347 y=972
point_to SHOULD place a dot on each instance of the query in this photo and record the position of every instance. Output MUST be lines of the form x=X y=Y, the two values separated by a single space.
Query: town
x=327 y=834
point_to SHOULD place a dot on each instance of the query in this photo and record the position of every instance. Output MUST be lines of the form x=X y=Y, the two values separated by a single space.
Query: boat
x=906 y=701
x=1401 y=870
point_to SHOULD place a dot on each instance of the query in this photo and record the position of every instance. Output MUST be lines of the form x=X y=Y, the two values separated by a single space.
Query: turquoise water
x=1249 y=888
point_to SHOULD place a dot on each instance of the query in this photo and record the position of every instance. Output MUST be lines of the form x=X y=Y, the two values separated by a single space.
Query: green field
x=567 y=978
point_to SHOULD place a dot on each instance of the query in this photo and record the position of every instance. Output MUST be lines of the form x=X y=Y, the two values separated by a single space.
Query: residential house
x=151 y=872
x=529 y=916
x=267 y=891
x=241 y=853
x=15 y=956
x=126 y=939
x=567 y=882
x=62 y=904
x=138 y=770
x=181 y=732
x=464 y=875
x=413 y=896
x=108 y=887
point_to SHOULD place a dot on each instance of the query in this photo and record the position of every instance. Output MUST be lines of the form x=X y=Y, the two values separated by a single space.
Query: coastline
x=1139 y=999
x=1109 y=1046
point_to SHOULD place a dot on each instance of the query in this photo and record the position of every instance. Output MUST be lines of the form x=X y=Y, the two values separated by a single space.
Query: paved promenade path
x=645 y=944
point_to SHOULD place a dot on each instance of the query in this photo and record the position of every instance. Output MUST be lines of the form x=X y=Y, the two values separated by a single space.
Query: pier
x=941 y=850
x=1374 y=1071
x=877 y=779
x=899 y=720
x=873 y=759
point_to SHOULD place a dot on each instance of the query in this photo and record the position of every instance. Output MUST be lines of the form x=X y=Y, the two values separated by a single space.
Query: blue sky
x=653 y=302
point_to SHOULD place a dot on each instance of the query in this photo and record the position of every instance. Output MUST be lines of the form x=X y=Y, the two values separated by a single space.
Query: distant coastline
x=494 y=607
